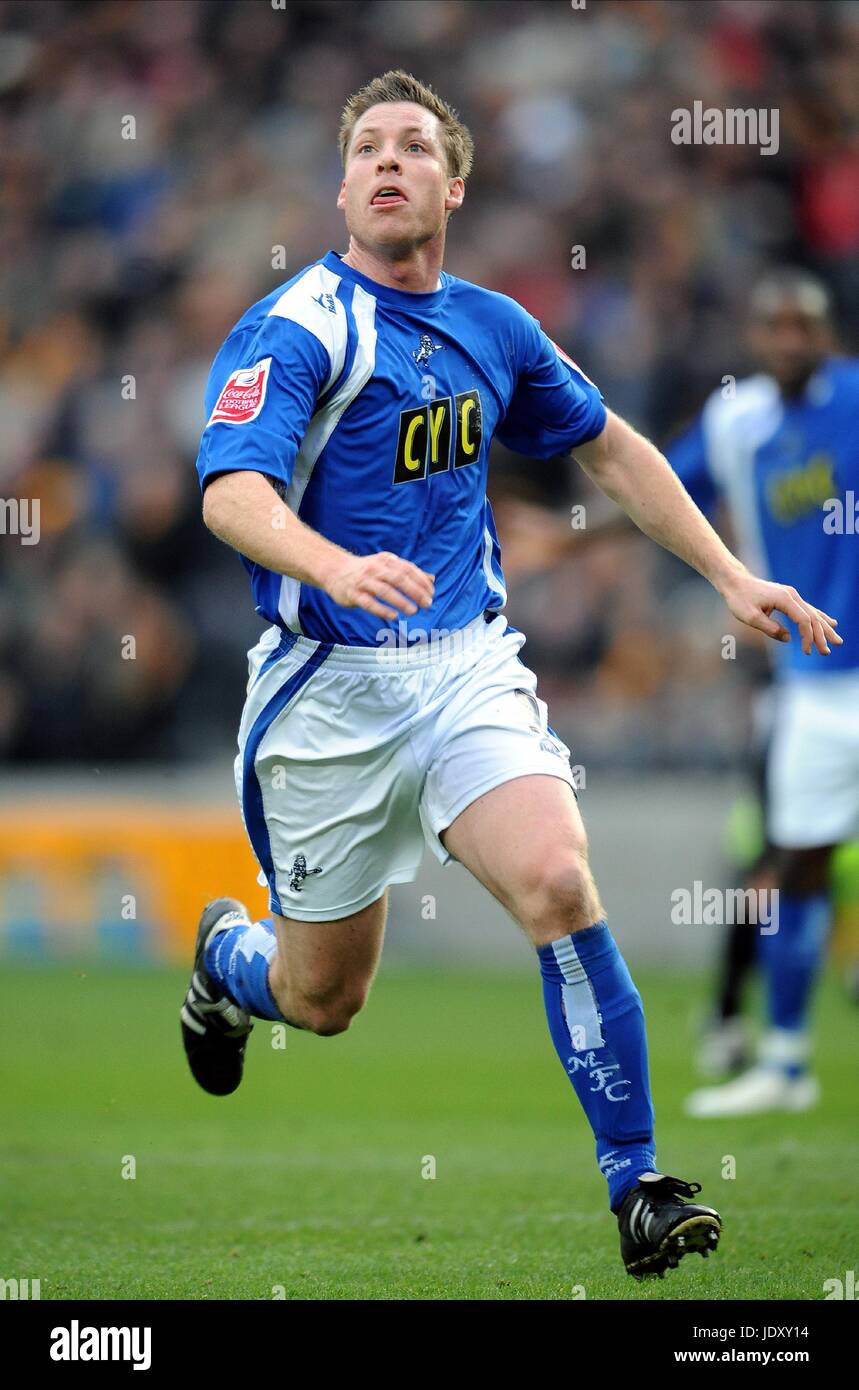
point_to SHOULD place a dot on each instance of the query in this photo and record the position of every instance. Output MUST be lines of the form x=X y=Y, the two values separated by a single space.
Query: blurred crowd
x=154 y=157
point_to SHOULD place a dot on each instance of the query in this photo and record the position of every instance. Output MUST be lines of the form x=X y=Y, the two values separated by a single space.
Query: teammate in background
x=726 y=1044
x=781 y=453
x=345 y=457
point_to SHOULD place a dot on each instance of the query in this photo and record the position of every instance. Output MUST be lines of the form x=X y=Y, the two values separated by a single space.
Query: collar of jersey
x=406 y=299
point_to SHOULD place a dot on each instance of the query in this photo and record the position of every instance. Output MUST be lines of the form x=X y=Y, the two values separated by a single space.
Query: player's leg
x=498 y=795
x=329 y=791
x=525 y=841
x=813 y=793
x=791 y=958
x=813 y=805
x=738 y=959
x=322 y=972
x=724 y=1047
x=312 y=975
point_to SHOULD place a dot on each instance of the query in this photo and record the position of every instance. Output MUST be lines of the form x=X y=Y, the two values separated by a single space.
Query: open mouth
x=387 y=197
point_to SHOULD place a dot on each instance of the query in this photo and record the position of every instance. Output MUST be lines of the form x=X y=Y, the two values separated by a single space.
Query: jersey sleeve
x=688 y=455
x=260 y=398
x=554 y=405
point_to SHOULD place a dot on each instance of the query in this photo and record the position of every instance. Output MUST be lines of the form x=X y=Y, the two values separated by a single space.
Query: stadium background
x=124 y=261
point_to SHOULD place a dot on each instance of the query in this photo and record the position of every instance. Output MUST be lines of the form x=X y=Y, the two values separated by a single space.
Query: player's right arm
x=243 y=510
x=262 y=394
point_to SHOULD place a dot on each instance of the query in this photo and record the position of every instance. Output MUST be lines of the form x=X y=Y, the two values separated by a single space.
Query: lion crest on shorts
x=300 y=872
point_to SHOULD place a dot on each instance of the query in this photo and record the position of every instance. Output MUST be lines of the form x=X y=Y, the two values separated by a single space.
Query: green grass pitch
x=308 y=1182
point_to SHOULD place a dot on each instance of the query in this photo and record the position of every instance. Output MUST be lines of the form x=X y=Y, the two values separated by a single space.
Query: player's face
x=790 y=343
x=397 y=146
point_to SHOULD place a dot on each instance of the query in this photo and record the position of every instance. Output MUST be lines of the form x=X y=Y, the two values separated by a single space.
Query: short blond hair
x=398 y=85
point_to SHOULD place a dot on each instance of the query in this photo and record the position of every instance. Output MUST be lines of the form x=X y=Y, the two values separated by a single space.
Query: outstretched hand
x=753 y=601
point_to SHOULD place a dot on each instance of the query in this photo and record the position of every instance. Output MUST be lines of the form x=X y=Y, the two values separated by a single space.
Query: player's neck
x=417 y=273
x=795 y=388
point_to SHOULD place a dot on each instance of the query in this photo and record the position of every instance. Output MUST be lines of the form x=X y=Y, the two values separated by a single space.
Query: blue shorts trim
x=286 y=643
x=252 y=800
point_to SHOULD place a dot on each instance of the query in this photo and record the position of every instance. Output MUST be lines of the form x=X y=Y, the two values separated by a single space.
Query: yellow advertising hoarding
x=82 y=877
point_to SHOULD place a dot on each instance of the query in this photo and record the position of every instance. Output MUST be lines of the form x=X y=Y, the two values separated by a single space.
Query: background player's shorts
x=813 y=762
x=351 y=759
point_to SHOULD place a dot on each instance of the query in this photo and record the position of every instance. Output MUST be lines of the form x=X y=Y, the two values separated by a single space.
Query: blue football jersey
x=371 y=410
x=788 y=471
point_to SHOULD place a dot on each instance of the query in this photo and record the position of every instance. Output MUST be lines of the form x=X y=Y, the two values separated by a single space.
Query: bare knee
x=322 y=973
x=329 y=1011
x=559 y=896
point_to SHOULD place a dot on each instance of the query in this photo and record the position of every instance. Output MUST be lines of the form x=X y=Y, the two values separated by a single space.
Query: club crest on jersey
x=243 y=396
x=434 y=436
x=425 y=349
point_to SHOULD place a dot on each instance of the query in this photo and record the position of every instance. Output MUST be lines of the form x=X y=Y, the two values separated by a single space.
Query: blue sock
x=596 y=1020
x=791 y=958
x=238 y=959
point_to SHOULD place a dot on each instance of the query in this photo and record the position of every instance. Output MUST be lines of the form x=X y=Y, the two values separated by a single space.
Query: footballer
x=350 y=414
x=781 y=454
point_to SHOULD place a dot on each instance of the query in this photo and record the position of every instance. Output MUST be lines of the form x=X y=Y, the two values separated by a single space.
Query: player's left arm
x=633 y=473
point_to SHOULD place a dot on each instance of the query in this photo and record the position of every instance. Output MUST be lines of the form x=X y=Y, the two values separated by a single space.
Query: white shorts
x=813 y=761
x=351 y=759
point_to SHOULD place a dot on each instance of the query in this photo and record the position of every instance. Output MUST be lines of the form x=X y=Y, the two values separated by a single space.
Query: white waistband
x=438 y=645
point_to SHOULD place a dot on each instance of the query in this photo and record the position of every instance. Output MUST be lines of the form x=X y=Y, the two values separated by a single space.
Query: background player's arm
x=535 y=537
x=633 y=473
x=243 y=510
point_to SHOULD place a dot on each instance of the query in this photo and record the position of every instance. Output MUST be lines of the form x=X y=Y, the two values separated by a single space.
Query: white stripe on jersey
x=301 y=304
x=734 y=428
x=491 y=578
x=322 y=426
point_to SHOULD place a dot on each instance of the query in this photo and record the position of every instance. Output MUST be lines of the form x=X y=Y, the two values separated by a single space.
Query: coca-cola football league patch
x=243 y=396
